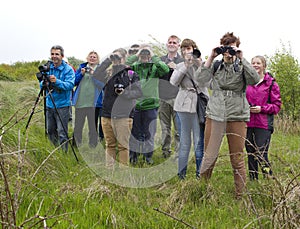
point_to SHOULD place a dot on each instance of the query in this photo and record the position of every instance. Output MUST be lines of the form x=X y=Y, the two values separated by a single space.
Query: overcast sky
x=29 y=28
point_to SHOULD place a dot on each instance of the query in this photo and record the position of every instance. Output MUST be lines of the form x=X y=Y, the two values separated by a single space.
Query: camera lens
x=219 y=50
x=196 y=53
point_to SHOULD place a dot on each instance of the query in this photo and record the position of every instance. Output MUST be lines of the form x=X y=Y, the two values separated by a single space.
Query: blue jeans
x=58 y=130
x=143 y=132
x=189 y=125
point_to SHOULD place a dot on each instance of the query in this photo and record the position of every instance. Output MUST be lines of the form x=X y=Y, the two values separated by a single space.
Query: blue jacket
x=98 y=95
x=62 y=88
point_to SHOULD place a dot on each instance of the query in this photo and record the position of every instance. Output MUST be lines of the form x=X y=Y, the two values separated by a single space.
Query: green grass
x=52 y=184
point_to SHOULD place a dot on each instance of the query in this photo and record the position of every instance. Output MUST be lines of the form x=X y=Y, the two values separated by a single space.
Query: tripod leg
x=62 y=123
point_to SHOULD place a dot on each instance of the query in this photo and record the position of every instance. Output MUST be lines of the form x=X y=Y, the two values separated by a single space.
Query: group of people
x=130 y=89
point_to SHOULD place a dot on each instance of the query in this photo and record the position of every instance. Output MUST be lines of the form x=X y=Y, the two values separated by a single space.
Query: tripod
x=43 y=92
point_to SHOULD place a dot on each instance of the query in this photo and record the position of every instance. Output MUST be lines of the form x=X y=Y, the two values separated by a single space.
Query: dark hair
x=229 y=38
x=188 y=42
x=62 y=51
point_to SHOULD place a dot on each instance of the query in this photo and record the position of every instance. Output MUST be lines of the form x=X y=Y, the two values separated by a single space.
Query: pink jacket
x=258 y=95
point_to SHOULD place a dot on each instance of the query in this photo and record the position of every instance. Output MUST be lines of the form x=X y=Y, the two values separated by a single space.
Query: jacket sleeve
x=78 y=74
x=134 y=90
x=131 y=59
x=162 y=67
x=250 y=73
x=69 y=80
x=100 y=72
x=275 y=101
x=178 y=74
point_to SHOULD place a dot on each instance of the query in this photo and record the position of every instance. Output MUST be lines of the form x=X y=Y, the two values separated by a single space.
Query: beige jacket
x=186 y=99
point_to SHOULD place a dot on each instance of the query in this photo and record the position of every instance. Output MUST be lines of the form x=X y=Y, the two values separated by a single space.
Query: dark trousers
x=143 y=132
x=98 y=113
x=80 y=115
x=257 y=146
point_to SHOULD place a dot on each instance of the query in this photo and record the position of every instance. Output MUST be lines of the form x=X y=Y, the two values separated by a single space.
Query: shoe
x=166 y=154
x=181 y=176
x=133 y=160
x=149 y=161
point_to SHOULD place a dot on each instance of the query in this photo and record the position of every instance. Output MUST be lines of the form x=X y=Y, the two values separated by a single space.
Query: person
x=133 y=49
x=167 y=95
x=265 y=102
x=149 y=68
x=85 y=99
x=121 y=90
x=228 y=110
x=60 y=82
x=98 y=115
x=185 y=77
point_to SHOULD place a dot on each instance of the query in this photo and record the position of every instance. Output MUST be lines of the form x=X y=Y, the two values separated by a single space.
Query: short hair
x=62 y=51
x=188 y=42
x=122 y=51
x=229 y=38
x=174 y=37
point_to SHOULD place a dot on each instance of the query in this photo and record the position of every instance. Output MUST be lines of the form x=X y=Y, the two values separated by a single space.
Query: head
x=93 y=58
x=173 y=44
x=57 y=54
x=187 y=46
x=259 y=64
x=133 y=49
x=229 y=39
x=144 y=53
x=118 y=56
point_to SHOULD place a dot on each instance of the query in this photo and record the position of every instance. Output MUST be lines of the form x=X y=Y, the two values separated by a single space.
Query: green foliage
x=286 y=70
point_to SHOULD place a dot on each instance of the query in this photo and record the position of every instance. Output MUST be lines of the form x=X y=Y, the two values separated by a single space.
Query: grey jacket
x=228 y=100
x=186 y=99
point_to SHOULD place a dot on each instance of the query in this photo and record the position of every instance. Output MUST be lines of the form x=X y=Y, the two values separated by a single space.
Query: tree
x=285 y=68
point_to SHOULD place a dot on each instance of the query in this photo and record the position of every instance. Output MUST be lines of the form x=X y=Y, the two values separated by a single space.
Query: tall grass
x=43 y=187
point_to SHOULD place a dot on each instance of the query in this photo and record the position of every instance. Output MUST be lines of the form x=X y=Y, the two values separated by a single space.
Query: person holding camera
x=121 y=89
x=228 y=110
x=185 y=76
x=167 y=95
x=85 y=100
x=60 y=81
x=150 y=69
x=265 y=102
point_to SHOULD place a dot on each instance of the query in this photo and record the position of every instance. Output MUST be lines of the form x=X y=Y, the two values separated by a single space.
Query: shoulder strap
x=216 y=65
x=270 y=88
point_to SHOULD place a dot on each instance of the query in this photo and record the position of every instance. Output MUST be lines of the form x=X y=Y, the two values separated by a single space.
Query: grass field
x=42 y=187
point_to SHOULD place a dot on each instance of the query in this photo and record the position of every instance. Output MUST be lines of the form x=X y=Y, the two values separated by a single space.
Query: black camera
x=223 y=49
x=43 y=74
x=145 y=52
x=132 y=51
x=196 y=53
x=114 y=57
x=87 y=69
x=119 y=88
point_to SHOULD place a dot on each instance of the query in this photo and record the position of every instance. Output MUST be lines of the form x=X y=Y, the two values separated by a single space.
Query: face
x=173 y=45
x=227 y=57
x=56 y=56
x=92 y=59
x=258 y=65
x=187 y=51
x=119 y=60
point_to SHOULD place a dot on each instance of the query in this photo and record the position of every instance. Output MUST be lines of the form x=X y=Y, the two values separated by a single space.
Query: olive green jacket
x=228 y=99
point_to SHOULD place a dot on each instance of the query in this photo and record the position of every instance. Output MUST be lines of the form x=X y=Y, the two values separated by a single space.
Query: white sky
x=29 y=28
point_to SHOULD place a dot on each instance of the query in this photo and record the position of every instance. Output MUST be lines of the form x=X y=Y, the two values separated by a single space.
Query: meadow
x=43 y=187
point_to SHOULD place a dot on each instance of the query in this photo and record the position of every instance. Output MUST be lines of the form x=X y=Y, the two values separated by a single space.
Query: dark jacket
x=115 y=105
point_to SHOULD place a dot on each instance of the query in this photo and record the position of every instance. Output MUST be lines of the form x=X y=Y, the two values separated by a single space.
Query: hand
x=52 y=79
x=239 y=53
x=255 y=109
x=172 y=65
x=82 y=71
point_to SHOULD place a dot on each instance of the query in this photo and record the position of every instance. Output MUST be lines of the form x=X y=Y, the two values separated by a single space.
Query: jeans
x=143 y=132
x=57 y=129
x=190 y=126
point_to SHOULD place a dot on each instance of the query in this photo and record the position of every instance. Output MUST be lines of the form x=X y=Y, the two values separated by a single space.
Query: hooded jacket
x=267 y=95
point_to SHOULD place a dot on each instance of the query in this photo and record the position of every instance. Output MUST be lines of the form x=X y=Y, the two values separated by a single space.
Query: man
x=58 y=86
x=167 y=95
x=149 y=68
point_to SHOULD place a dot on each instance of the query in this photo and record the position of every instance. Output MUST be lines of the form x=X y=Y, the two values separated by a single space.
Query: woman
x=185 y=104
x=85 y=100
x=265 y=102
x=228 y=110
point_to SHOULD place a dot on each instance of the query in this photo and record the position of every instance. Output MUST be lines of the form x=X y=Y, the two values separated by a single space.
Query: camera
x=223 y=49
x=87 y=69
x=114 y=57
x=119 y=88
x=145 y=52
x=196 y=53
x=43 y=74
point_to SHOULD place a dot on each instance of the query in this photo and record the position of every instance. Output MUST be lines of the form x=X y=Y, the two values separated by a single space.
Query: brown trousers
x=116 y=134
x=213 y=136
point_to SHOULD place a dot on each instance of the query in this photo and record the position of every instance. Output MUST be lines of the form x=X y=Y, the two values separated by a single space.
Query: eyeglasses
x=172 y=42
